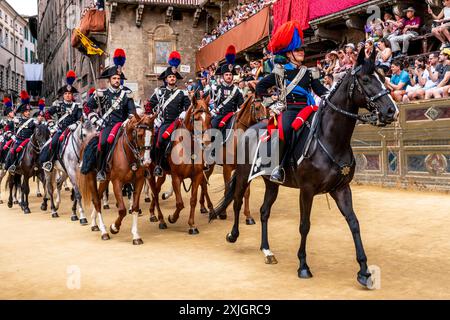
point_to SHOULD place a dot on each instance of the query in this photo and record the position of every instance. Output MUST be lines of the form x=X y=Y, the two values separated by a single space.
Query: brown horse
x=248 y=115
x=186 y=161
x=127 y=166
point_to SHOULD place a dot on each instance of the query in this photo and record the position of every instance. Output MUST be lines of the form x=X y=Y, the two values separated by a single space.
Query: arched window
x=162 y=40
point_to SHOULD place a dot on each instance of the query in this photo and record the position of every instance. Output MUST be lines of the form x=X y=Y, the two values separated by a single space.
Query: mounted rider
x=116 y=104
x=7 y=124
x=68 y=113
x=40 y=114
x=293 y=82
x=227 y=96
x=24 y=128
x=170 y=104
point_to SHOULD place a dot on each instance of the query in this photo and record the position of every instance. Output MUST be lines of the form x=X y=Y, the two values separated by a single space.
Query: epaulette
x=314 y=74
x=185 y=92
x=129 y=94
x=56 y=103
x=100 y=92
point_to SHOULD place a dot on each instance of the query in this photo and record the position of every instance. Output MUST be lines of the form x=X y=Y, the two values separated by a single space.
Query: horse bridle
x=253 y=115
x=373 y=116
x=133 y=144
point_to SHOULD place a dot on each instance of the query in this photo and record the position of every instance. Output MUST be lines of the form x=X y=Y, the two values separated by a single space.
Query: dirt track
x=405 y=233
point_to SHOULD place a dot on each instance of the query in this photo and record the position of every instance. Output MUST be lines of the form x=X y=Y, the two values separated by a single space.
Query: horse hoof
x=95 y=228
x=139 y=213
x=15 y=202
x=304 y=274
x=112 y=230
x=203 y=211
x=1 y=201
x=170 y=219
x=67 y=188
x=153 y=219
x=55 y=215
x=250 y=221
x=163 y=226
x=106 y=206
x=39 y=195
x=26 y=210
x=270 y=260
x=230 y=238
x=43 y=207
x=147 y=199
x=74 y=218
x=365 y=280
x=193 y=231
x=137 y=242
x=223 y=216
x=83 y=221
x=164 y=196
x=10 y=204
x=105 y=236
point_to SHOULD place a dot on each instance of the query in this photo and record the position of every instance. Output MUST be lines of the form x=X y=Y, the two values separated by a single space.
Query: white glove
x=158 y=122
x=182 y=115
x=16 y=120
x=73 y=126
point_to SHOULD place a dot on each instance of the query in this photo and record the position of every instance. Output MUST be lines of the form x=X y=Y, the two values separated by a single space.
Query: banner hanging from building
x=34 y=75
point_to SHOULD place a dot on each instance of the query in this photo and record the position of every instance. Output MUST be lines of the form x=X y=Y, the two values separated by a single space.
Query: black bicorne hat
x=70 y=79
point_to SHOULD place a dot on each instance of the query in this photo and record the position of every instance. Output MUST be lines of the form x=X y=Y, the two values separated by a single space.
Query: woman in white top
x=443 y=18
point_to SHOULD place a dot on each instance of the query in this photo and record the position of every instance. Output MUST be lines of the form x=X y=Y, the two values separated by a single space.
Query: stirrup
x=158 y=172
x=101 y=176
x=277 y=175
x=47 y=166
x=12 y=169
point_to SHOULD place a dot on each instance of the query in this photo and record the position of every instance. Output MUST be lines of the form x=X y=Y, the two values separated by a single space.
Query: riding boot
x=158 y=172
x=48 y=165
x=101 y=176
x=12 y=167
x=278 y=174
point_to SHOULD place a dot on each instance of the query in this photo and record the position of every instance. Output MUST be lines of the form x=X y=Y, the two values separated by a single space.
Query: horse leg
x=306 y=200
x=49 y=178
x=166 y=195
x=94 y=226
x=59 y=186
x=248 y=218
x=176 y=184
x=139 y=184
x=117 y=189
x=203 y=209
x=45 y=198
x=38 y=189
x=270 y=196
x=92 y=181
x=25 y=193
x=226 y=179
x=162 y=222
x=343 y=198
x=11 y=186
x=77 y=195
x=196 y=181
x=209 y=203
x=105 y=199
x=241 y=186
x=2 y=175
x=147 y=190
x=16 y=188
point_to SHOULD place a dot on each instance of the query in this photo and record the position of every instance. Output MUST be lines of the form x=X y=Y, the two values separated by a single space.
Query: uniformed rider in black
x=68 y=113
x=24 y=128
x=296 y=100
x=170 y=104
x=7 y=124
x=118 y=105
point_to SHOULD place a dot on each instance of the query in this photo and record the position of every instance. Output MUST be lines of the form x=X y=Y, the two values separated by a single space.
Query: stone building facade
x=12 y=51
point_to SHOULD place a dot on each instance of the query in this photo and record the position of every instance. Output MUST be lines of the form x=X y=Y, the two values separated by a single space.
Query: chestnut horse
x=128 y=165
x=248 y=115
x=184 y=163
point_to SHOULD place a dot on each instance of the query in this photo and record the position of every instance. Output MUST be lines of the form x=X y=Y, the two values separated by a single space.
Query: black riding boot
x=158 y=172
x=101 y=166
x=278 y=174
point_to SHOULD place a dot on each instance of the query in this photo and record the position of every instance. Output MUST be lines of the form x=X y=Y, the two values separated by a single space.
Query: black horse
x=330 y=165
x=30 y=167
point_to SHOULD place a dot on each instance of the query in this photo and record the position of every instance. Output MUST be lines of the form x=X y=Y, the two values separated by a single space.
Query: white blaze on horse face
x=390 y=97
x=148 y=143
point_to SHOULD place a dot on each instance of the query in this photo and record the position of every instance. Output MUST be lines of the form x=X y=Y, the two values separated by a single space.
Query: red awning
x=320 y=8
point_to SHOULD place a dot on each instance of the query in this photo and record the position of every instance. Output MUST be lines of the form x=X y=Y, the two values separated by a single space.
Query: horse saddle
x=266 y=155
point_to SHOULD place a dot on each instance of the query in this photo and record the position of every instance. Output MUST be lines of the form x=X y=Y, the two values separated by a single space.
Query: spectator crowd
x=424 y=77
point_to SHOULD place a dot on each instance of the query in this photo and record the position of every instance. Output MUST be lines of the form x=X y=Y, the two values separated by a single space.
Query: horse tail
x=85 y=181
x=226 y=200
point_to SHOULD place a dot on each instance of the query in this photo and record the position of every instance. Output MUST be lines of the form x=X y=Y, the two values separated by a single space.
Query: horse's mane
x=244 y=107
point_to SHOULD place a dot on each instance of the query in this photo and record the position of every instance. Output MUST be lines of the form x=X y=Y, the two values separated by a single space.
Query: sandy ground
x=405 y=233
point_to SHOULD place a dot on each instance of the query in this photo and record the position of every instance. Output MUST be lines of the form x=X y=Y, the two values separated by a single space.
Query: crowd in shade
x=242 y=12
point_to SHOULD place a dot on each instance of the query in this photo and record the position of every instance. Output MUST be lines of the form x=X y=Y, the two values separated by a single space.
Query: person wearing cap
x=40 y=114
x=24 y=128
x=116 y=105
x=411 y=25
x=227 y=97
x=287 y=42
x=170 y=104
x=68 y=113
x=442 y=76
